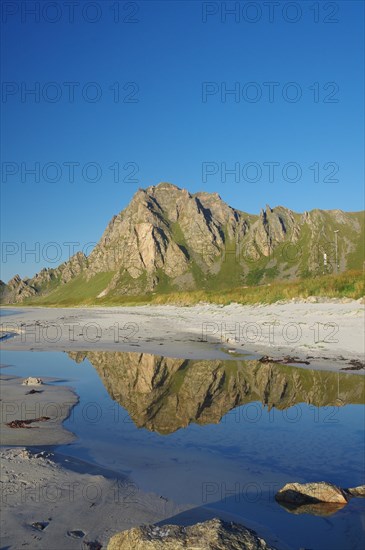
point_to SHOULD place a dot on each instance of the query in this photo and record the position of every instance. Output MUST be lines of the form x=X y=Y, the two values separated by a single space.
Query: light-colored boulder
x=305 y=493
x=357 y=491
x=210 y=535
x=32 y=381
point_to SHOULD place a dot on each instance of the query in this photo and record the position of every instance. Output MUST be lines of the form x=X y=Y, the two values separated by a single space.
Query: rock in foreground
x=32 y=381
x=306 y=493
x=357 y=491
x=210 y=535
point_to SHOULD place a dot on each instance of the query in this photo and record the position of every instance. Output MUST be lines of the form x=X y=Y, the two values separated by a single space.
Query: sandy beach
x=53 y=502
x=43 y=407
x=49 y=498
x=328 y=334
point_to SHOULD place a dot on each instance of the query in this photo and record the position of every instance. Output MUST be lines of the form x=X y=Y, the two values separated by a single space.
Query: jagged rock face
x=214 y=534
x=142 y=239
x=272 y=228
x=14 y=282
x=65 y=272
x=2 y=288
x=170 y=239
x=164 y=394
x=166 y=229
x=73 y=267
x=17 y=289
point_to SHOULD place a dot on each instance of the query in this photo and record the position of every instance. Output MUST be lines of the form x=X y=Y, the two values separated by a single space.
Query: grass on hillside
x=75 y=292
x=349 y=284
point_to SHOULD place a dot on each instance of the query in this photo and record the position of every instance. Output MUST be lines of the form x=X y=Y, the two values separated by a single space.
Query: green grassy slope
x=77 y=291
x=349 y=284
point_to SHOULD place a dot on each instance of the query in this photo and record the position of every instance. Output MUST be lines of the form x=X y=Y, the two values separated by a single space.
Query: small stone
x=40 y=525
x=357 y=491
x=76 y=534
x=32 y=381
x=24 y=453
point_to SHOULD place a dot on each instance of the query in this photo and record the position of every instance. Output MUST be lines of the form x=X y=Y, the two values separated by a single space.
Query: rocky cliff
x=170 y=239
x=17 y=290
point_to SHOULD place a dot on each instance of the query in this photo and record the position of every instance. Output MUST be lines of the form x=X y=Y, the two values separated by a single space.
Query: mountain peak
x=164 y=186
x=167 y=239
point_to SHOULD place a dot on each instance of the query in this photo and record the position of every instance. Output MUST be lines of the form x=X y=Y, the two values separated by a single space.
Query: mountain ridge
x=169 y=239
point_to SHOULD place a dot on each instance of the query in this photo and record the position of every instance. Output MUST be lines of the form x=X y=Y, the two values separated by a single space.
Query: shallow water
x=5 y=312
x=219 y=434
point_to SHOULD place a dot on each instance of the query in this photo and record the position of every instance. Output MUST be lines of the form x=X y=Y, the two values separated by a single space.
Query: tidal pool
x=223 y=436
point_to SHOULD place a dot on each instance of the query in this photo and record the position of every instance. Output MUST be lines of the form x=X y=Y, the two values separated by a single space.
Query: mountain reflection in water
x=164 y=394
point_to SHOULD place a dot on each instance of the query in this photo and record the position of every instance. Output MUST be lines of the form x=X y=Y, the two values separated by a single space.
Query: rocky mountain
x=164 y=394
x=17 y=289
x=170 y=239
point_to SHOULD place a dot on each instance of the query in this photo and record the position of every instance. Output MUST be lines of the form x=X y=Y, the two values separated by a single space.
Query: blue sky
x=168 y=124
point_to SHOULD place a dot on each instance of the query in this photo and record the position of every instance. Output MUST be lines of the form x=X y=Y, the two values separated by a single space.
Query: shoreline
x=329 y=335
x=44 y=520
x=70 y=496
x=54 y=499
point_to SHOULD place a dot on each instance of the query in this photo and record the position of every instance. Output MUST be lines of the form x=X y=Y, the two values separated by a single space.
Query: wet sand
x=50 y=502
x=43 y=408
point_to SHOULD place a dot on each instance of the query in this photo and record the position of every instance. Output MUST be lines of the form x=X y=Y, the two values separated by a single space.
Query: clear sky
x=145 y=89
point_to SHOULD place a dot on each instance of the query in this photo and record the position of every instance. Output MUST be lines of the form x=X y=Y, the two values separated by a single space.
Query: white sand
x=37 y=489
x=323 y=331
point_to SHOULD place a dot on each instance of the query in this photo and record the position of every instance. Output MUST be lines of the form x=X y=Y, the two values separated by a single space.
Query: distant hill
x=168 y=239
